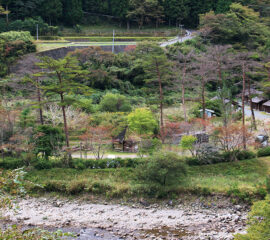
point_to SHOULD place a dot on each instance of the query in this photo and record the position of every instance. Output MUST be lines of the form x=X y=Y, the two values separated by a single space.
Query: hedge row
x=223 y=157
x=77 y=163
x=263 y=152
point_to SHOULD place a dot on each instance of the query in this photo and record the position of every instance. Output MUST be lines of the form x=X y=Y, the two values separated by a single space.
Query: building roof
x=253 y=92
x=257 y=99
x=267 y=104
x=207 y=110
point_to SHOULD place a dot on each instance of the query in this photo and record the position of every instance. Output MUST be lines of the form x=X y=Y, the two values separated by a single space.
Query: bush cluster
x=29 y=25
x=105 y=163
x=222 y=157
x=77 y=163
x=263 y=152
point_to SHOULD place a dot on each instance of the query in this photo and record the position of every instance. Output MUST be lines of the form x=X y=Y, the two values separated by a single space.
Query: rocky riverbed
x=193 y=219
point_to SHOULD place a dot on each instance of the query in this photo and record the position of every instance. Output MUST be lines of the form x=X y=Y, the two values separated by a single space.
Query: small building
x=252 y=92
x=208 y=112
x=257 y=103
x=235 y=104
x=202 y=137
x=121 y=144
x=266 y=106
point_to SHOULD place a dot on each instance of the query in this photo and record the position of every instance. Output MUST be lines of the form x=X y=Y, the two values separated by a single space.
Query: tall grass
x=243 y=177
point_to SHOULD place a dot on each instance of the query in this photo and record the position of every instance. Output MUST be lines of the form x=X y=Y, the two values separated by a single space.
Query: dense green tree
x=51 y=10
x=73 y=12
x=47 y=140
x=145 y=11
x=62 y=75
x=115 y=103
x=223 y=6
x=142 y=121
x=157 y=68
x=240 y=25
x=176 y=11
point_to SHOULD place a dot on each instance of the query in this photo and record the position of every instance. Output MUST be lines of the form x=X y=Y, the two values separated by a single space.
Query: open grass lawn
x=247 y=176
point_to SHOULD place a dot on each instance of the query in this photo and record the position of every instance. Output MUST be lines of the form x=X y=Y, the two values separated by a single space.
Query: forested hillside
x=136 y=13
x=160 y=105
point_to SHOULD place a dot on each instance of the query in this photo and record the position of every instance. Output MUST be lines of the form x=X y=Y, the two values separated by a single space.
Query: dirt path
x=137 y=221
x=106 y=156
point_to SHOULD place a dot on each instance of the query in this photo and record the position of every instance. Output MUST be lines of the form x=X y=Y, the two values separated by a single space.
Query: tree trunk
x=39 y=102
x=7 y=19
x=65 y=120
x=183 y=93
x=251 y=105
x=81 y=150
x=128 y=25
x=243 y=107
x=161 y=103
x=203 y=100
x=219 y=73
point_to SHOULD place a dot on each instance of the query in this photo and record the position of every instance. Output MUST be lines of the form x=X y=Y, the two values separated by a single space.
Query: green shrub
x=258 y=221
x=17 y=36
x=263 y=152
x=192 y=161
x=268 y=184
x=43 y=164
x=47 y=140
x=85 y=105
x=213 y=157
x=239 y=195
x=245 y=155
x=115 y=103
x=105 y=163
x=162 y=169
x=11 y=163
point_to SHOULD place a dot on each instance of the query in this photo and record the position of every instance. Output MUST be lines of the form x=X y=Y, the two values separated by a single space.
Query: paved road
x=189 y=35
x=259 y=115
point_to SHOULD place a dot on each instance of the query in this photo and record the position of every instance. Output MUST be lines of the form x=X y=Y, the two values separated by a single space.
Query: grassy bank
x=240 y=179
x=107 y=29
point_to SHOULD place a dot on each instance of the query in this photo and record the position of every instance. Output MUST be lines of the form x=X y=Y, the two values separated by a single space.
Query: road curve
x=188 y=36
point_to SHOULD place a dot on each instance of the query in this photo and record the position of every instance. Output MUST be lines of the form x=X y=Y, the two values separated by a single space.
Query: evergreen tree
x=62 y=75
x=157 y=68
x=73 y=12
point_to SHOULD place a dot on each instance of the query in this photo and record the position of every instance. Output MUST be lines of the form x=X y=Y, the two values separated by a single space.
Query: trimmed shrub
x=263 y=152
x=216 y=157
x=81 y=164
x=11 y=163
x=245 y=155
x=43 y=164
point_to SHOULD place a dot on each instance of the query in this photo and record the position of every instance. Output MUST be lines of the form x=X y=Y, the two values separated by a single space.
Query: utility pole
x=113 y=41
x=37 y=32
x=181 y=26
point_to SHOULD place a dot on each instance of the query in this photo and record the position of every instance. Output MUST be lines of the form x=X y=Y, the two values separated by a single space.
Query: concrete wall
x=62 y=52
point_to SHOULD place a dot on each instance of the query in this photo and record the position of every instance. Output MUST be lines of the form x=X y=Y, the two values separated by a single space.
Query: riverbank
x=187 y=218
